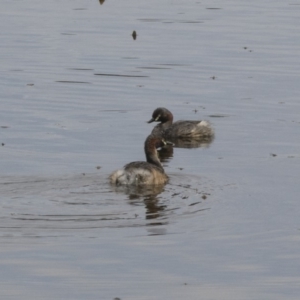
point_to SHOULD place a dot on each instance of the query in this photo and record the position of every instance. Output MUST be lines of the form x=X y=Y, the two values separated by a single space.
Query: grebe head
x=162 y=115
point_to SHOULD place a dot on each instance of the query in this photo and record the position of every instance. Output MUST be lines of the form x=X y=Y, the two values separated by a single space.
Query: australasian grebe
x=179 y=129
x=148 y=172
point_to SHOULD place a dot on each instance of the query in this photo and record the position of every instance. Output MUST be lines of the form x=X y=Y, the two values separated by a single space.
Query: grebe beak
x=154 y=120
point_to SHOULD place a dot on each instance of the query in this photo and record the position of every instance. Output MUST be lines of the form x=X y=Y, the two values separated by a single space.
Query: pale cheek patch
x=157 y=117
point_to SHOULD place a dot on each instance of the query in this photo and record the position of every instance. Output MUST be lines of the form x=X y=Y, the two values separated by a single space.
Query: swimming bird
x=179 y=129
x=142 y=173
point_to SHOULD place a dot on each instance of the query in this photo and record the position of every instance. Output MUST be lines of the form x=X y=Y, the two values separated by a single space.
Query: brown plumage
x=180 y=129
x=148 y=172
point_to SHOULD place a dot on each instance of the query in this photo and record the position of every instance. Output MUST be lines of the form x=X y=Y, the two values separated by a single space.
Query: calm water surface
x=76 y=92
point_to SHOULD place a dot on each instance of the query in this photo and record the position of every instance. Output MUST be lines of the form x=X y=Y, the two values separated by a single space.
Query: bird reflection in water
x=203 y=142
x=154 y=208
x=137 y=191
x=165 y=153
x=147 y=196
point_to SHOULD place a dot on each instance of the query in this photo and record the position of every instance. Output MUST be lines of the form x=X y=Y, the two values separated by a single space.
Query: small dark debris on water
x=185 y=283
x=134 y=34
x=101 y=1
x=83 y=174
x=30 y=84
x=273 y=154
x=213 y=77
x=245 y=48
x=195 y=203
x=4 y=127
x=195 y=110
x=2 y=144
x=204 y=197
x=117 y=298
x=217 y=116
x=98 y=167
x=175 y=194
x=180 y=169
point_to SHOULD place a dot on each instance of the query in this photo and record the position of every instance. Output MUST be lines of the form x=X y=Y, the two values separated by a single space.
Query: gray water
x=76 y=91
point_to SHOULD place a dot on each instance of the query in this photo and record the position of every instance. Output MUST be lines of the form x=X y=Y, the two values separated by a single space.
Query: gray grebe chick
x=141 y=173
x=179 y=129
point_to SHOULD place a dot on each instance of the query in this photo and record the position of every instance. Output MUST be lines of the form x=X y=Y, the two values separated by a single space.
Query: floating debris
x=101 y=1
x=134 y=35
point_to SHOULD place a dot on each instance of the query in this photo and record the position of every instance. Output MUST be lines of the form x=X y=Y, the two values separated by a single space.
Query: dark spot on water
x=30 y=84
x=245 y=48
x=2 y=144
x=83 y=174
x=195 y=203
x=273 y=154
x=4 y=127
x=101 y=2
x=180 y=169
x=134 y=35
x=217 y=116
x=195 y=110
x=203 y=197
x=213 y=77
x=98 y=167
x=175 y=194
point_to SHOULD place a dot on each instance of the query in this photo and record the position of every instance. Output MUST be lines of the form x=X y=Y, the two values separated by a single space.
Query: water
x=76 y=92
